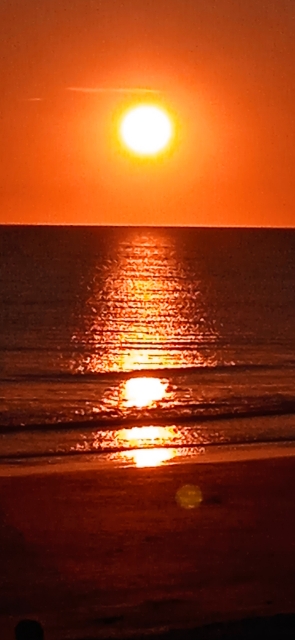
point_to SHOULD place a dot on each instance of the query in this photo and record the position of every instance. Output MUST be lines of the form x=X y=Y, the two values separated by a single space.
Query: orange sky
x=224 y=67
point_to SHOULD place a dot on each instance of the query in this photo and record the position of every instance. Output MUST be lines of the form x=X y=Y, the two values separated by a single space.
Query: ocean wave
x=185 y=447
x=78 y=376
x=181 y=415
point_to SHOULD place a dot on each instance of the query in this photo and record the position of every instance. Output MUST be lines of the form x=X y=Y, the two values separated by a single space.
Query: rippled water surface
x=122 y=339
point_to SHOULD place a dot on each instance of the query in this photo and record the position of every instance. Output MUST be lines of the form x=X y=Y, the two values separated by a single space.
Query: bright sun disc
x=146 y=130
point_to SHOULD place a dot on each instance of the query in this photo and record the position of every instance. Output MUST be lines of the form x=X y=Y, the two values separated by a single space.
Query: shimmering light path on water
x=146 y=310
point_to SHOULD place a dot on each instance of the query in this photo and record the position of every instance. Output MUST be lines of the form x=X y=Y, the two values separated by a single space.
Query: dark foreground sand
x=108 y=552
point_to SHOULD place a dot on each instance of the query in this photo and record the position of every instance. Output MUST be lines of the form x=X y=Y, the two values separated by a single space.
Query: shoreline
x=194 y=455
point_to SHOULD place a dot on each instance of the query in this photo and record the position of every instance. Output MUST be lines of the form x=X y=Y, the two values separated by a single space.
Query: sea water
x=125 y=339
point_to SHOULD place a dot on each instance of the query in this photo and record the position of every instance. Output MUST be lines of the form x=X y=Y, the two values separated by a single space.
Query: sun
x=146 y=130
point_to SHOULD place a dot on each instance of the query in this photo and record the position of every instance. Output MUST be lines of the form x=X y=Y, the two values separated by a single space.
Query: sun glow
x=146 y=130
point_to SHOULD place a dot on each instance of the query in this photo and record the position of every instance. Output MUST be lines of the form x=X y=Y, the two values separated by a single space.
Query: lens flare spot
x=189 y=496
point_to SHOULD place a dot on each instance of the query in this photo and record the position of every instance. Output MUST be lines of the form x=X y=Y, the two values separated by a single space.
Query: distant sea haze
x=114 y=340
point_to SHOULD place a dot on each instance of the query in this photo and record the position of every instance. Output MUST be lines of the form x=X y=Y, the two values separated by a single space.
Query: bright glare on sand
x=146 y=130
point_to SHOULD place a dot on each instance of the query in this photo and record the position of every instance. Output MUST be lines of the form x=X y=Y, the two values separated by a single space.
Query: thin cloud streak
x=111 y=90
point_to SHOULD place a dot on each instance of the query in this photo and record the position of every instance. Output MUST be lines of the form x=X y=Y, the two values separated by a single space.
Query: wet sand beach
x=110 y=552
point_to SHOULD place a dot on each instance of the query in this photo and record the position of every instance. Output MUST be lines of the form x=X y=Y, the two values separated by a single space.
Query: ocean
x=144 y=344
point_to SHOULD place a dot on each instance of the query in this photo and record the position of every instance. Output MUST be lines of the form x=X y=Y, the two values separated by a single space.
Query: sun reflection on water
x=143 y=391
x=146 y=436
x=142 y=446
x=147 y=445
x=147 y=457
x=146 y=310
